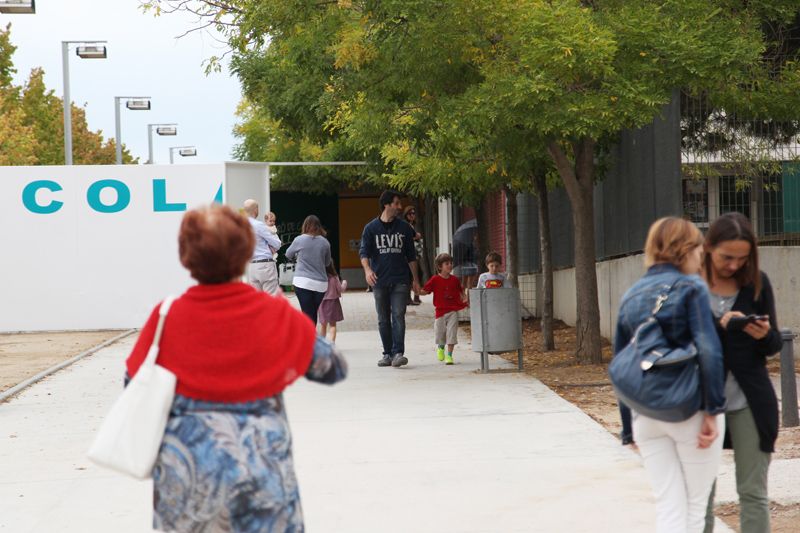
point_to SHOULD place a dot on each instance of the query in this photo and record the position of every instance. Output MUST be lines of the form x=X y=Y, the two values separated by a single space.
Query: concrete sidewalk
x=431 y=448
x=424 y=448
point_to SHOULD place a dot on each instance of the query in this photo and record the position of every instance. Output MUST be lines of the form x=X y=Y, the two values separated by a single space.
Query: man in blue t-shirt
x=387 y=252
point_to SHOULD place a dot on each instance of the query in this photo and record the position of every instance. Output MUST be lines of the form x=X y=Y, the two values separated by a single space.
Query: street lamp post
x=134 y=103
x=161 y=129
x=17 y=7
x=85 y=50
x=183 y=151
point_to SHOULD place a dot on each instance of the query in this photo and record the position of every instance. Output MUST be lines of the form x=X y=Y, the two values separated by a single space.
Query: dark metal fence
x=734 y=162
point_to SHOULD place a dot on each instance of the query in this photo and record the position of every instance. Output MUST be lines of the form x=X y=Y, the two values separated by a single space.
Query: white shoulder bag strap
x=152 y=353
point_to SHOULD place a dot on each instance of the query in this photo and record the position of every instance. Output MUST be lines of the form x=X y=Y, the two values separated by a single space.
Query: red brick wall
x=497 y=231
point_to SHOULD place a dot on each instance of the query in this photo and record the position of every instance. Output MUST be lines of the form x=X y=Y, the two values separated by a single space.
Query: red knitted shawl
x=229 y=343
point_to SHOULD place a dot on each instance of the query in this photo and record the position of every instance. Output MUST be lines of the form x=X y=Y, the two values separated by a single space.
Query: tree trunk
x=579 y=183
x=546 y=252
x=512 y=254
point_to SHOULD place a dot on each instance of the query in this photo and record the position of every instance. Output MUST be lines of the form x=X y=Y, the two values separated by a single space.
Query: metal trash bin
x=286 y=276
x=496 y=322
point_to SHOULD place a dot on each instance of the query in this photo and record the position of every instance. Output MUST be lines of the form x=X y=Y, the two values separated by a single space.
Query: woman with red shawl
x=225 y=463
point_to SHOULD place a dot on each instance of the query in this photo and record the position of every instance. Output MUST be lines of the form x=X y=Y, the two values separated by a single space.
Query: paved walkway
x=425 y=448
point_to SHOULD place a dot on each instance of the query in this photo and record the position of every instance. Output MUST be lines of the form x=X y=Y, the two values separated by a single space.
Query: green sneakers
x=441 y=356
x=440 y=353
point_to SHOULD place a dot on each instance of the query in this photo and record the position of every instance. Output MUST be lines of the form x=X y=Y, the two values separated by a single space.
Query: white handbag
x=130 y=436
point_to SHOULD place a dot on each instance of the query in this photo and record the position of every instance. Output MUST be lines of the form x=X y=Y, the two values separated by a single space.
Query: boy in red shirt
x=448 y=299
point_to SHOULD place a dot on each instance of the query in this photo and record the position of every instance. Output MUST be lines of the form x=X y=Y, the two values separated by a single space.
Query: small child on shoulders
x=448 y=300
x=492 y=279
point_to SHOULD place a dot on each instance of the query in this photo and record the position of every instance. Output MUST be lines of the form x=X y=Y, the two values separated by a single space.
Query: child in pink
x=330 y=311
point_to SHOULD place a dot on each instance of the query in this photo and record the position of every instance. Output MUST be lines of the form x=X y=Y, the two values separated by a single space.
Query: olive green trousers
x=752 y=467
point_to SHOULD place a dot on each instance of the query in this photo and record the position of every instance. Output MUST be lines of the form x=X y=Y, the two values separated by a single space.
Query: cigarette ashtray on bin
x=496 y=323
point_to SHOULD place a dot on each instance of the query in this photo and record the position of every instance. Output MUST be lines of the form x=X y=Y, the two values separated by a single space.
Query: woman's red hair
x=215 y=244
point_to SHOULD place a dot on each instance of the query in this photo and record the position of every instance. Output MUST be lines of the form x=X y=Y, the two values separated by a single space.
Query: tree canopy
x=459 y=97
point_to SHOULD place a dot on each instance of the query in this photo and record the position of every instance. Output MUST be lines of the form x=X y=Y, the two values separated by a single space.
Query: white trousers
x=263 y=276
x=680 y=473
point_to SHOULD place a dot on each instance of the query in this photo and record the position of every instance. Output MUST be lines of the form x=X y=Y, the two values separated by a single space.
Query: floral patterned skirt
x=226 y=467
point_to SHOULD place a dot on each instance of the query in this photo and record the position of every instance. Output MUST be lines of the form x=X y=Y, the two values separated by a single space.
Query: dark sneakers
x=399 y=360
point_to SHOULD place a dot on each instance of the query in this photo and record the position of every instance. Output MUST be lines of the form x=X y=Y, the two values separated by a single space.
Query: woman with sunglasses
x=744 y=306
x=410 y=216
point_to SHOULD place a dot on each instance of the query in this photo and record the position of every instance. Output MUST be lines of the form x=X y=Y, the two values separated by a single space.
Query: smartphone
x=738 y=323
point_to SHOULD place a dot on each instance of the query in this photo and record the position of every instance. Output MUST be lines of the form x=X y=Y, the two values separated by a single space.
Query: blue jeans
x=390 y=303
x=309 y=302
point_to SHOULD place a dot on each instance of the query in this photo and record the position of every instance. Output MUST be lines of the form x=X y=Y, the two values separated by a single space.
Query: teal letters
x=160 y=198
x=29 y=197
x=123 y=196
x=93 y=193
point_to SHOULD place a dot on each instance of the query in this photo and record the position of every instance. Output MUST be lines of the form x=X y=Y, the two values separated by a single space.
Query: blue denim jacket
x=685 y=317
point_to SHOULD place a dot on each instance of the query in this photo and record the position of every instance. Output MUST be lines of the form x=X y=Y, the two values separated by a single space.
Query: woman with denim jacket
x=738 y=289
x=681 y=458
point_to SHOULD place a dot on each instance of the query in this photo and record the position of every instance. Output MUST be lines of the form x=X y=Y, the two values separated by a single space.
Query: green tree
x=35 y=115
x=44 y=114
x=17 y=140
x=264 y=138
x=7 y=50
x=397 y=80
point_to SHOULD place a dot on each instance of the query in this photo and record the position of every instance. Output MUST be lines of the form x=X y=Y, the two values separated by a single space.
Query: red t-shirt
x=446 y=294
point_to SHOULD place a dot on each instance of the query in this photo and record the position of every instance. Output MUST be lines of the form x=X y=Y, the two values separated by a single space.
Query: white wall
x=615 y=276
x=77 y=268
x=244 y=181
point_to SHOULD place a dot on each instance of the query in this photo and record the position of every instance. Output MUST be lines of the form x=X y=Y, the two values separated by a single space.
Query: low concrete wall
x=613 y=279
x=782 y=264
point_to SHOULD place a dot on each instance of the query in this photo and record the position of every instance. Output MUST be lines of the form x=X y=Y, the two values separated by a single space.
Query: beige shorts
x=445 y=329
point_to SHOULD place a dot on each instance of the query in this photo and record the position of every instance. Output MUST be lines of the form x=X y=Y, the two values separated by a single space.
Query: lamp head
x=167 y=130
x=138 y=104
x=18 y=7
x=92 y=51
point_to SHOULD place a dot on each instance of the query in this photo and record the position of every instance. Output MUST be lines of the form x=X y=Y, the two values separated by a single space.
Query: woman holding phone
x=743 y=303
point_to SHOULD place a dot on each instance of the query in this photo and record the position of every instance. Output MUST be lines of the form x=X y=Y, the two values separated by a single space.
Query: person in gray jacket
x=313 y=253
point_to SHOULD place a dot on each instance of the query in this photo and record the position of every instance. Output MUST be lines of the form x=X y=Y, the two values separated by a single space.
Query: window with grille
x=731 y=199
x=772 y=206
x=695 y=200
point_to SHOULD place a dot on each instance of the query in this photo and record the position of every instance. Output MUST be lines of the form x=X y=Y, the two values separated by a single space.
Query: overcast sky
x=144 y=59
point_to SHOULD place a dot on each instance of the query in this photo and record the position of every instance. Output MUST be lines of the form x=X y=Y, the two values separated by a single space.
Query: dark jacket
x=685 y=318
x=746 y=358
